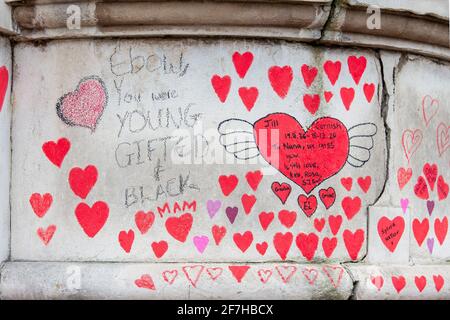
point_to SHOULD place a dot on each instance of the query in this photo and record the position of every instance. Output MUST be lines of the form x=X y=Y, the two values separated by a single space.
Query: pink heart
x=201 y=242
x=84 y=106
x=404 y=203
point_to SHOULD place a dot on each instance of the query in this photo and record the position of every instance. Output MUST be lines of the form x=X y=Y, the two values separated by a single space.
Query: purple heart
x=213 y=206
x=231 y=213
x=430 y=206
x=201 y=242
x=430 y=244
x=404 y=203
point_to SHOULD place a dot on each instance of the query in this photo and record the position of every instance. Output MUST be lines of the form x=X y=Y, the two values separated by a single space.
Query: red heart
x=56 y=151
x=41 y=203
x=347 y=96
x=347 y=183
x=328 y=95
x=421 y=189
x=287 y=218
x=214 y=273
x=254 y=178
x=309 y=74
x=403 y=177
x=328 y=245
x=286 y=272
x=4 y=78
x=307 y=204
x=282 y=191
x=218 y=233
x=83 y=180
x=442 y=188
x=144 y=221
x=421 y=282
x=391 y=231
x=369 y=91
x=159 y=248
x=300 y=155
x=377 y=281
x=351 y=206
x=430 y=173
x=221 y=86
x=193 y=273
x=126 y=240
x=335 y=223
x=248 y=96
x=311 y=102
x=92 y=219
x=353 y=242
x=228 y=184
x=357 y=66
x=247 y=202
x=264 y=275
x=307 y=244
x=327 y=196
x=420 y=230
x=242 y=63
x=169 y=276
x=319 y=224
x=262 y=247
x=265 y=218
x=46 y=235
x=281 y=79
x=399 y=283
x=364 y=183
x=145 y=282
x=310 y=274
x=282 y=243
x=179 y=227
x=243 y=241
x=332 y=69
x=438 y=282
x=238 y=272
x=440 y=229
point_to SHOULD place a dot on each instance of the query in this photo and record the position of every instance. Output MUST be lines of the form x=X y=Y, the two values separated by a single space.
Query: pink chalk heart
x=84 y=106
x=201 y=242
x=213 y=206
x=404 y=203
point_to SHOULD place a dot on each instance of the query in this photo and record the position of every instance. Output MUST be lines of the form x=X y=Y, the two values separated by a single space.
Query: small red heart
x=438 y=282
x=160 y=248
x=327 y=196
x=353 y=242
x=335 y=223
x=46 y=235
x=421 y=189
x=307 y=244
x=347 y=96
x=243 y=241
x=262 y=247
x=248 y=96
x=309 y=74
x=347 y=183
x=420 y=230
x=307 y=204
x=92 y=219
x=145 y=282
x=403 y=177
x=81 y=181
x=126 y=240
x=41 y=203
x=254 y=178
x=440 y=229
x=357 y=66
x=242 y=62
x=351 y=206
x=169 y=276
x=265 y=219
x=214 y=273
x=442 y=188
x=332 y=70
x=221 y=86
x=218 y=233
x=56 y=151
x=311 y=102
x=369 y=91
x=282 y=191
x=328 y=245
x=391 y=231
x=238 y=272
x=328 y=95
x=4 y=78
x=247 y=202
x=377 y=281
x=399 y=283
x=319 y=224
x=287 y=218
x=281 y=79
x=421 y=282
x=430 y=172
x=282 y=243
x=228 y=184
x=179 y=227
x=144 y=221
x=364 y=183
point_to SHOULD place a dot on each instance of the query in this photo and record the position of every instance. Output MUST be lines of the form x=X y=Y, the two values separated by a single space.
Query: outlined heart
x=81 y=181
x=144 y=220
x=4 y=79
x=47 y=234
x=310 y=274
x=282 y=243
x=242 y=62
x=307 y=244
x=430 y=107
x=56 y=151
x=126 y=239
x=332 y=70
x=221 y=86
x=280 y=79
x=286 y=272
x=193 y=273
x=264 y=275
x=309 y=74
x=248 y=96
x=169 y=276
x=411 y=140
x=391 y=231
x=311 y=102
x=41 y=203
x=179 y=227
x=92 y=219
x=282 y=191
x=442 y=138
x=214 y=273
x=357 y=66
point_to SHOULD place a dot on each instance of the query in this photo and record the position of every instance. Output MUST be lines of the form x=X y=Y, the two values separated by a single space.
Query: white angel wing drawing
x=361 y=143
x=237 y=138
